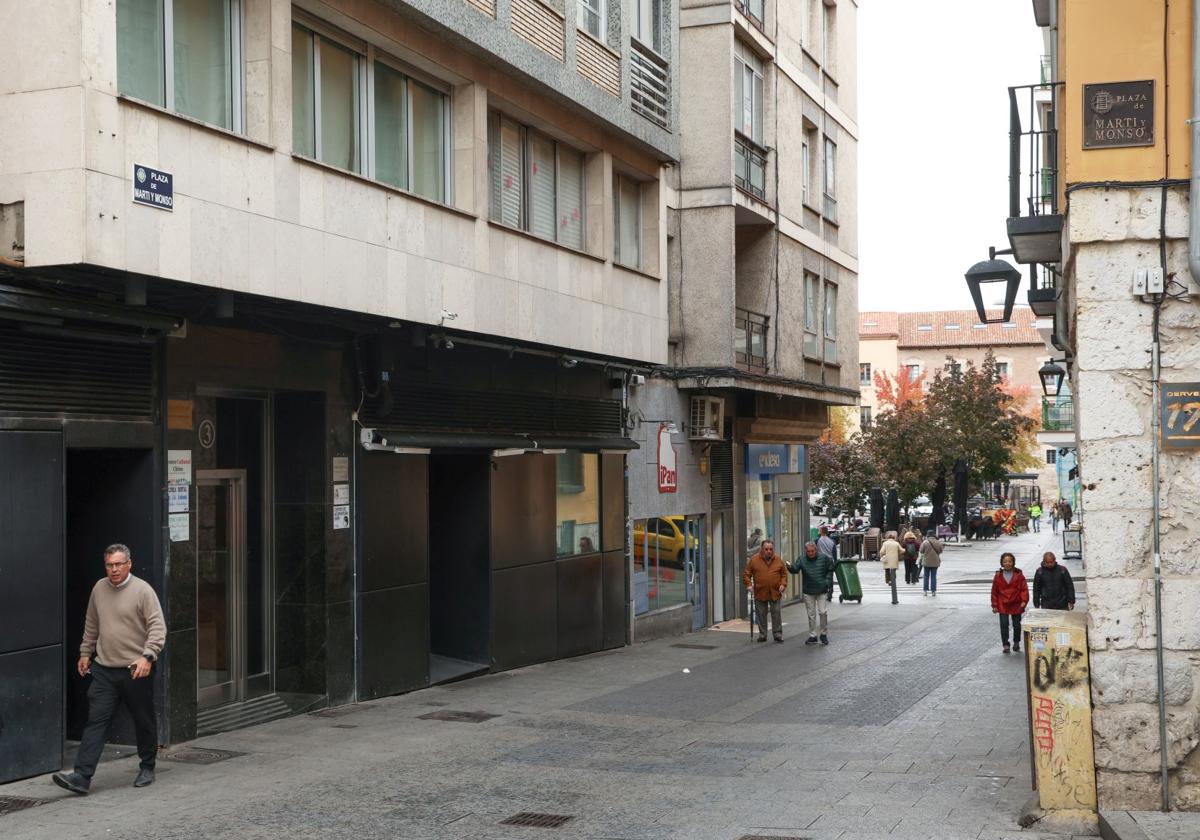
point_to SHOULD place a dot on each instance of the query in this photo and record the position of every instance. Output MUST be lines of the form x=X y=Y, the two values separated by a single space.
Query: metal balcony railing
x=752 y=9
x=1033 y=150
x=649 y=84
x=750 y=338
x=750 y=166
x=1058 y=413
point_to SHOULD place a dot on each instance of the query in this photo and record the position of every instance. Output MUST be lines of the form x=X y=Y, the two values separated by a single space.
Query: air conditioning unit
x=707 y=419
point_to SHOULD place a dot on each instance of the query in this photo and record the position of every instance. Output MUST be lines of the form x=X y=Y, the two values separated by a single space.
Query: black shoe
x=761 y=639
x=144 y=777
x=779 y=639
x=1016 y=648
x=812 y=640
x=72 y=782
x=824 y=639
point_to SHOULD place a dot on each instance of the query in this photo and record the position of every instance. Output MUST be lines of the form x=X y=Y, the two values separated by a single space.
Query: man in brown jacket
x=765 y=573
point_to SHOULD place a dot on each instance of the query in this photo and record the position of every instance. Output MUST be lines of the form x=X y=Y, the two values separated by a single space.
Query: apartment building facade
x=327 y=310
x=762 y=264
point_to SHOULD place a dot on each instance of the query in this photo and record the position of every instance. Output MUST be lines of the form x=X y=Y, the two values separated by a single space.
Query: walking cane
x=750 y=610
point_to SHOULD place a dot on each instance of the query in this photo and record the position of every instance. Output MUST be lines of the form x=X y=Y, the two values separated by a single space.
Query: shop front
x=777 y=502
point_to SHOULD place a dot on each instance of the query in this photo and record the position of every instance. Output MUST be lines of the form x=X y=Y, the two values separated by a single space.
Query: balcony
x=750 y=339
x=1034 y=222
x=1043 y=291
x=649 y=84
x=750 y=166
x=1058 y=414
x=752 y=9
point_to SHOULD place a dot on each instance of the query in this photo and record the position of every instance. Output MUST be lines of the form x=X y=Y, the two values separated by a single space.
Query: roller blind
x=542 y=214
x=570 y=198
x=511 y=175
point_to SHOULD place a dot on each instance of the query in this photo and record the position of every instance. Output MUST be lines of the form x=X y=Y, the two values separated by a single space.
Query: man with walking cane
x=766 y=576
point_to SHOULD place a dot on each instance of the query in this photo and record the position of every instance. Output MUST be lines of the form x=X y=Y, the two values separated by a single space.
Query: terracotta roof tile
x=961 y=328
x=877 y=325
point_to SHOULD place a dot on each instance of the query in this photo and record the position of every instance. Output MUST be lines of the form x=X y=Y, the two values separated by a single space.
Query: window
x=663 y=548
x=1008 y=325
x=864 y=373
x=752 y=9
x=536 y=182
x=398 y=134
x=1051 y=456
x=183 y=55
x=831 y=296
x=956 y=368
x=864 y=416
x=811 y=314
x=627 y=222
x=979 y=326
x=750 y=338
x=805 y=166
x=951 y=326
x=578 y=503
x=591 y=18
x=914 y=372
x=1002 y=370
x=924 y=327
x=748 y=93
x=830 y=183
x=830 y=36
x=647 y=23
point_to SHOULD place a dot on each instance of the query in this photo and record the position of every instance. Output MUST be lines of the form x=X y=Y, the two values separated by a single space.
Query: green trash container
x=813 y=533
x=849 y=588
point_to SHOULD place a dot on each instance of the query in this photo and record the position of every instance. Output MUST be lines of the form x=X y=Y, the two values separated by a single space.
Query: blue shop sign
x=153 y=187
x=774 y=458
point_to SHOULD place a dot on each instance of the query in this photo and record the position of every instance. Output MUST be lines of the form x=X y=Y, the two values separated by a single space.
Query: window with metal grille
x=750 y=338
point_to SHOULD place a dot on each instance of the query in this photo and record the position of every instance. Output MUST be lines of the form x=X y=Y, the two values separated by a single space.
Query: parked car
x=662 y=537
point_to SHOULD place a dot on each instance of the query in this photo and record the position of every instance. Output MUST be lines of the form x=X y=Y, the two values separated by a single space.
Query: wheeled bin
x=849 y=589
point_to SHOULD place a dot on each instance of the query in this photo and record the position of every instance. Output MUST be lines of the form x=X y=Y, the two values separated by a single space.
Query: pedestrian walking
x=1010 y=596
x=931 y=560
x=123 y=635
x=1035 y=517
x=816 y=584
x=1053 y=588
x=826 y=547
x=1054 y=517
x=1065 y=513
x=766 y=575
x=912 y=552
x=889 y=557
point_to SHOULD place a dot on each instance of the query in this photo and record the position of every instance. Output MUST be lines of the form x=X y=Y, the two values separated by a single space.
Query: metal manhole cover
x=340 y=711
x=458 y=716
x=200 y=755
x=695 y=647
x=12 y=804
x=530 y=819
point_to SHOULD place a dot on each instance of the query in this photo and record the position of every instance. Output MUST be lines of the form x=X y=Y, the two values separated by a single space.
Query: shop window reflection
x=666 y=550
x=578 y=503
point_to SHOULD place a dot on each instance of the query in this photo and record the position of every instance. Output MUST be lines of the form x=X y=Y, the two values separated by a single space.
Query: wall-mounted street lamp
x=1051 y=375
x=993 y=270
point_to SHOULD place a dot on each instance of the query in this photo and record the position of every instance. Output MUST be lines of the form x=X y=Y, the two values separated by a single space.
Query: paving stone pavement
x=909 y=725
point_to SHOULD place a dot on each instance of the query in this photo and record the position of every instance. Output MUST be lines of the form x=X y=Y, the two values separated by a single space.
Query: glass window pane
x=339 y=106
x=542 y=215
x=391 y=114
x=739 y=102
x=304 y=136
x=203 y=85
x=578 y=504
x=830 y=310
x=140 y=69
x=810 y=303
x=631 y=234
x=428 y=141
x=589 y=16
x=570 y=197
x=830 y=167
x=512 y=177
x=756 y=125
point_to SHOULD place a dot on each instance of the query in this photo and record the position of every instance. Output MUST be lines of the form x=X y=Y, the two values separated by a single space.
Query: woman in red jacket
x=1010 y=595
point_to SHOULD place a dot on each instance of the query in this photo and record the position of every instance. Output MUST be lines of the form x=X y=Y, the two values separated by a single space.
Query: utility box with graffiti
x=1060 y=710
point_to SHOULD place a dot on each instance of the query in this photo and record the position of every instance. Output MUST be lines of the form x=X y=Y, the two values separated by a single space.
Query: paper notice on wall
x=341 y=494
x=341 y=468
x=178 y=524
x=179 y=466
x=178 y=497
x=341 y=517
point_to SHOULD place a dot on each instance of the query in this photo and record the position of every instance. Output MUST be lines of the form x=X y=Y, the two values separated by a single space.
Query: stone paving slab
x=1150 y=825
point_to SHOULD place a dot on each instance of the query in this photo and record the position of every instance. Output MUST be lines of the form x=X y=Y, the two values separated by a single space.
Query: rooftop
x=950 y=328
x=877 y=325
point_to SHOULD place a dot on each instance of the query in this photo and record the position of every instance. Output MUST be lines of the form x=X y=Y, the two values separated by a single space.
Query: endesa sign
x=774 y=458
x=668 y=475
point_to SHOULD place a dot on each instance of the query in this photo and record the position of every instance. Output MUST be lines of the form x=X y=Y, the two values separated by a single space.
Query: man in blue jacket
x=817 y=583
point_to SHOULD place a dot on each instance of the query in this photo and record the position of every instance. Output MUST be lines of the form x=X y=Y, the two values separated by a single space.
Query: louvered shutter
x=512 y=180
x=542 y=215
x=570 y=198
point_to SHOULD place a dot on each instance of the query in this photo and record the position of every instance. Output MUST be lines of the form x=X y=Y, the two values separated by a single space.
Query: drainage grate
x=457 y=716
x=341 y=711
x=345 y=726
x=695 y=647
x=200 y=755
x=529 y=819
x=12 y=804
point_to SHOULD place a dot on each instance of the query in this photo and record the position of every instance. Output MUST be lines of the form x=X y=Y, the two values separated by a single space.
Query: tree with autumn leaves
x=966 y=413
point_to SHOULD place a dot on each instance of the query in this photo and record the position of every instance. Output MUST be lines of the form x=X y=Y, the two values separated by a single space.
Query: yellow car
x=662 y=538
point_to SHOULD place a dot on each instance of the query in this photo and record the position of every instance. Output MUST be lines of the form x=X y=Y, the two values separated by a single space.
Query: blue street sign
x=153 y=187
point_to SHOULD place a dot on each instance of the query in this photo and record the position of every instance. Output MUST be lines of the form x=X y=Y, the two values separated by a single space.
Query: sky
x=933 y=143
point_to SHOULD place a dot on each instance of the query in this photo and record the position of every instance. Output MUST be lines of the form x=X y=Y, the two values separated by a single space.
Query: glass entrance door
x=791 y=539
x=220 y=586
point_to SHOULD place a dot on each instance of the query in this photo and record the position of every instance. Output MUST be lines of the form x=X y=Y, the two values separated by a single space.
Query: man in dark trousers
x=767 y=576
x=1053 y=588
x=123 y=636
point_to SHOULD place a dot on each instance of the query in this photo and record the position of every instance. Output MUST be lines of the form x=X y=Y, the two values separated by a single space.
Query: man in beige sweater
x=123 y=636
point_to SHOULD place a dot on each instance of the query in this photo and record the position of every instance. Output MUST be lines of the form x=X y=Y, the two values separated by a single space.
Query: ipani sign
x=668 y=471
x=153 y=187
x=1118 y=114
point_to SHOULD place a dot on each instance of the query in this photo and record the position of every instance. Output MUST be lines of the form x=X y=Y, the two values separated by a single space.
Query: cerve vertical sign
x=1180 y=415
x=153 y=187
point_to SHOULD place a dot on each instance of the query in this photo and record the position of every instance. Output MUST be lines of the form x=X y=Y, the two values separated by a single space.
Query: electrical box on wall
x=1148 y=281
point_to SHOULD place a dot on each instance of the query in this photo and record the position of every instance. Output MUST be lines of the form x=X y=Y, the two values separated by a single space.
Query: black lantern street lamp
x=993 y=270
x=1051 y=375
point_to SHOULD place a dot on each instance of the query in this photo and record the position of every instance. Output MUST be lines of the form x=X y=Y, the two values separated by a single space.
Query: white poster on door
x=179 y=525
x=341 y=517
x=179 y=466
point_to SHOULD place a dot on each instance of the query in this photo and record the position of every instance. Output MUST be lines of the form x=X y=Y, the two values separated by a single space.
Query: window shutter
x=739 y=102
x=495 y=192
x=542 y=215
x=570 y=198
x=511 y=177
x=630 y=234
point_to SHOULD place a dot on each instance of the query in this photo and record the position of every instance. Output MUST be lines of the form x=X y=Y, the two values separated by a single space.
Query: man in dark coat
x=1053 y=588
